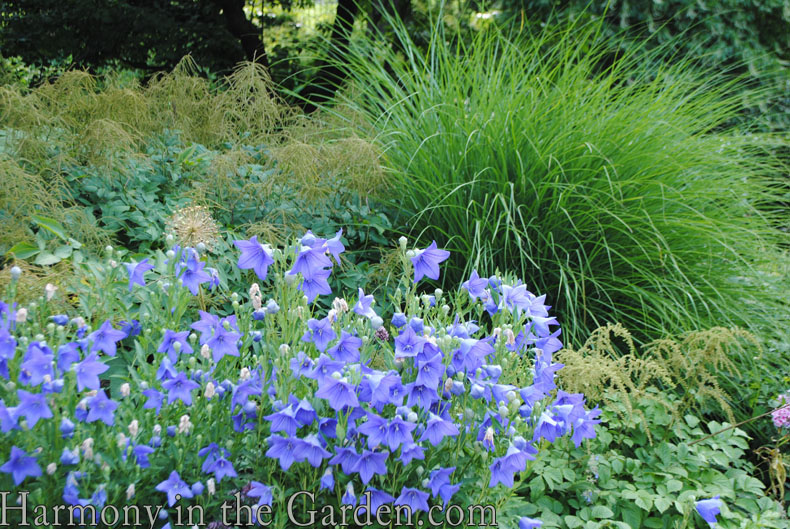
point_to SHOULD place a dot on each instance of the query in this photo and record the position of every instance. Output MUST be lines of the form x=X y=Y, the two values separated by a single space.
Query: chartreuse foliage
x=109 y=161
x=611 y=186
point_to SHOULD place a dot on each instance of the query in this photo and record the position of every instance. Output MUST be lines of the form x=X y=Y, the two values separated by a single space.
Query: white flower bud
x=51 y=469
x=126 y=389
x=340 y=305
x=15 y=273
x=410 y=254
x=170 y=254
x=446 y=309
x=510 y=338
x=402 y=242
x=87 y=448
x=130 y=491
x=209 y=390
x=205 y=351
x=448 y=384
x=157 y=429
x=285 y=349
x=134 y=428
x=489 y=436
x=245 y=374
x=121 y=440
x=21 y=315
x=184 y=425
x=376 y=322
x=211 y=486
x=50 y=291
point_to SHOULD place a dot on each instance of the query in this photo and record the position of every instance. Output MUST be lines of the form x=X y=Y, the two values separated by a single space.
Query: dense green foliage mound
x=614 y=189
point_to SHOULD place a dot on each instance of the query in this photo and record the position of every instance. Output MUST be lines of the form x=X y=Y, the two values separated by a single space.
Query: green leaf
x=691 y=420
x=573 y=522
x=23 y=250
x=602 y=511
x=633 y=517
x=662 y=504
x=673 y=485
x=50 y=225
x=63 y=252
x=46 y=258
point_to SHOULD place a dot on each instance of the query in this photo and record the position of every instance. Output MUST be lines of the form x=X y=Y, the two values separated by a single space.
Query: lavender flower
x=254 y=256
x=137 y=271
x=180 y=388
x=105 y=337
x=174 y=486
x=88 y=372
x=426 y=262
x=102 y=408
x=33 y=407
x=21 y=466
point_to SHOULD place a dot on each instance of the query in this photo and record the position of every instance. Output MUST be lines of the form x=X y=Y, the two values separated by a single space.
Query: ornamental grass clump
x=611 y=181
x=167 y=404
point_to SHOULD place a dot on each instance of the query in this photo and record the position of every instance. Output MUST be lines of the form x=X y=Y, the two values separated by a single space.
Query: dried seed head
x=192 y=226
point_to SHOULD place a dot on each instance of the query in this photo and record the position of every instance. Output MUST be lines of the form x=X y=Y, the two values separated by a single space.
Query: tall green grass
x=612 y=186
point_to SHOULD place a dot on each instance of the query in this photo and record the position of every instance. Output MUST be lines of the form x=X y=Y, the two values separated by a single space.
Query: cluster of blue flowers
x=412 y=418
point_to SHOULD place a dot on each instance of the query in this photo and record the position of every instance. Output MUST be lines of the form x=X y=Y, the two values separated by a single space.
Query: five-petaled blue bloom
x=174 y=486
x=105 y=337
x=88 y=372
x=415 y=499
x=255 y=256
x=180 y=388
x=168 y=344
x=32 y=406
x=319 y=332
x=102 y=408
x=426 y=262
x=260 y=491
x=21 y=466
x=192 y=276
x=709 y=509
x=525 y=522
x=363 y=306
x=338 y=392
x=137 y=271
x=476 y=285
